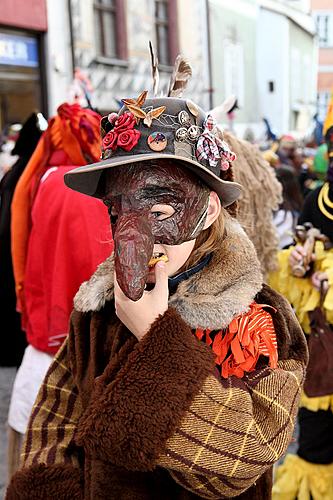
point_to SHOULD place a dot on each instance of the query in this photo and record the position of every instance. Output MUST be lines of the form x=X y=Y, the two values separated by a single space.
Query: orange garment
x=239 y=346
x=75 y=132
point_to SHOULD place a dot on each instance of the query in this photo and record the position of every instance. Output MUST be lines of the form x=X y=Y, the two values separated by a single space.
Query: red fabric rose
x=124 y=122
x=110 y=141
x=128 y=139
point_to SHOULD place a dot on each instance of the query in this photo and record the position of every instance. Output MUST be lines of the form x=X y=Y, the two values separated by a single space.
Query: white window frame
x=324 y=24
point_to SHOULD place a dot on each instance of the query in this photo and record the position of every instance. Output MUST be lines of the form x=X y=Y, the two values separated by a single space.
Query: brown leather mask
x=131 y=192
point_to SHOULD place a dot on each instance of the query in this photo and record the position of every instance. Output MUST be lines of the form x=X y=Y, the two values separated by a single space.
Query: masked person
x=181 y=375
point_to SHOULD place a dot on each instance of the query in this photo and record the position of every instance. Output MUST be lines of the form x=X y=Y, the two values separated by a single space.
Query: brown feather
x=179 y=79
x=154 y=69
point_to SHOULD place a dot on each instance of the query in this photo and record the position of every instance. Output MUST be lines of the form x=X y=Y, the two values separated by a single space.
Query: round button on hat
x=157 y=141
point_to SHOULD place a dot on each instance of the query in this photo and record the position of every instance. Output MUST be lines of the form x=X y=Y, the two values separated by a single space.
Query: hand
x=318 y=278
x=140 y=315
x=297 y=255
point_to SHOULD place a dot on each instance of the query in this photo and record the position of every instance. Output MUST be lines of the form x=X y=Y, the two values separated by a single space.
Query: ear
x=214 y=209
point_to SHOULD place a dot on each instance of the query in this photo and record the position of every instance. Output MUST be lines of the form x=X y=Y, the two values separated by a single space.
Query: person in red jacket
x=57 y=258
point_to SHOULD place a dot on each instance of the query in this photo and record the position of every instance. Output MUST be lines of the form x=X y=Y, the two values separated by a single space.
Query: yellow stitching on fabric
x=210 y=481
x=62 y=389
x=275 y=403
x=62 y=366
x=266 y=443
x=211 y=429
x=295 y=377
x=46 y=449
x=57 y=415
x=68 y=426
x=242 y=448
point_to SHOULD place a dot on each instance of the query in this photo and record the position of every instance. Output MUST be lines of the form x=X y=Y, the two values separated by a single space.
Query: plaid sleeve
x=234 y=431
x=50 y=435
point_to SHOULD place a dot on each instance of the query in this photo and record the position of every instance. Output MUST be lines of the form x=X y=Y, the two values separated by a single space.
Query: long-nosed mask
x=131 y=193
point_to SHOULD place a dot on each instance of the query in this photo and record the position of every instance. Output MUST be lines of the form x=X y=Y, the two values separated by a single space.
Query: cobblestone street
x=6 y=381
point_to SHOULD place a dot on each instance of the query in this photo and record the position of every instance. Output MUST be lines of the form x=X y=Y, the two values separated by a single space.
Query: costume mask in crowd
x=131 y=193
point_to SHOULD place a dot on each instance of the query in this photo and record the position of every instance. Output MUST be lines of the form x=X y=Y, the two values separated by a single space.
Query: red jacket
x=70 y=236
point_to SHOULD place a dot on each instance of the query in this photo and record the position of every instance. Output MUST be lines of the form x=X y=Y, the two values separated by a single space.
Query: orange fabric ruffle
x=239 y=346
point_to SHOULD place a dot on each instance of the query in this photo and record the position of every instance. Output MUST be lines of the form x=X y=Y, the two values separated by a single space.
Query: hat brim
x=86 y=179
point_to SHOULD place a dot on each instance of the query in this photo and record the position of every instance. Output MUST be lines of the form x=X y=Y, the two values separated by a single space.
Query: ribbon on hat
x=211 y=148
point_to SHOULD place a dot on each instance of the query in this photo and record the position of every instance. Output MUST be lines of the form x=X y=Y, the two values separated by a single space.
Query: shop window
x=166 y=31
x=110 y=29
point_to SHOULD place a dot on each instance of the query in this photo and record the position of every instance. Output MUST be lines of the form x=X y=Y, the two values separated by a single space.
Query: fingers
x=298 y=256
x=298 y=253
x=325 y=286
x=315 y=280
x=319 y=279
x=161 y=279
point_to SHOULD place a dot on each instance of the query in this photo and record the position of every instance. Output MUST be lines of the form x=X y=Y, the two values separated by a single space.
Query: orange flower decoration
x=239 y=346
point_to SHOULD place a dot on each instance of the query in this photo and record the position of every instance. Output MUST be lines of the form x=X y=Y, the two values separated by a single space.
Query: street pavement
x=7 y=376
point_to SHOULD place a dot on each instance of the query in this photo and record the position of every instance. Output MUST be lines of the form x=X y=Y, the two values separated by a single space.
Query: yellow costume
x=297 y=478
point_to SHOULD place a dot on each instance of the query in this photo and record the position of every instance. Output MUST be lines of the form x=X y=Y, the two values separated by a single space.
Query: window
x=234 y=79
x=323 y=99
x=166 y=31
x=110 y=29
x=324 y=23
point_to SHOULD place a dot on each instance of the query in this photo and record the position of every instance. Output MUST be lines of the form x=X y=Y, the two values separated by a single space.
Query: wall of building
x=233 y=57
x=193 y=44
x=115 y=80
x=325 y=68
x=27 y=15
x=58 y=48
x=286 y=72
x=273 y=71
x=303 y=70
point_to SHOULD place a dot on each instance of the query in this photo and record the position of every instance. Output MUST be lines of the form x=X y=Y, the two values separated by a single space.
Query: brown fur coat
x=128 y=420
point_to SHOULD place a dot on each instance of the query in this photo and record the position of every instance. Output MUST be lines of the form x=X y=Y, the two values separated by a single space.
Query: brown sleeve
x=133 y=415
x=49 y=454
x=236 y=430
x=290 y=337
x=41 y=482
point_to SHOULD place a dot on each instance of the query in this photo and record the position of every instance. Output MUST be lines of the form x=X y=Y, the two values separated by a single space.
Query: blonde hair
x=208 y=241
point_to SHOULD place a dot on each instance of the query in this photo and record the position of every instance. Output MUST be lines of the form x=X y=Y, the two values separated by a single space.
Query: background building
x=322 y=11
x=110 y=44
x=286 y=65
x=264 y=52
x=232 y=31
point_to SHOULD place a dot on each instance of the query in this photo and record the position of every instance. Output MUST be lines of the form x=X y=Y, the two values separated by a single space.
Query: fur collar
x=210 y=298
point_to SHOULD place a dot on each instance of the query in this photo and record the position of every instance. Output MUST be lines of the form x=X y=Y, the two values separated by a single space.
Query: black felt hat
x=160 y=128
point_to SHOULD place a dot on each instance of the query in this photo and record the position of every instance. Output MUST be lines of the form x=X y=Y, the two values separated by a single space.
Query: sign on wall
x=18 y=50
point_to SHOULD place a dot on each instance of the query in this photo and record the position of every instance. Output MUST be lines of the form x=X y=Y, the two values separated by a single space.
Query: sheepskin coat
x=121 y=419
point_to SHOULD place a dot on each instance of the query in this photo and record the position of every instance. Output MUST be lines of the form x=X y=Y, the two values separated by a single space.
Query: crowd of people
x=154 y=360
